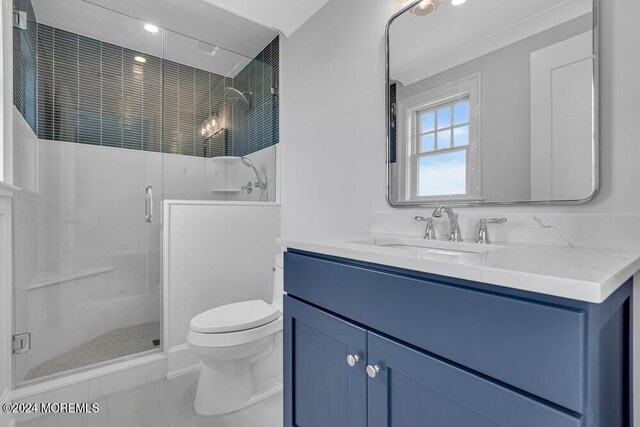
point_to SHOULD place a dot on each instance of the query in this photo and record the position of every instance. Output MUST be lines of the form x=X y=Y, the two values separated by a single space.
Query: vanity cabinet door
x=322 y=389
x=411 y=388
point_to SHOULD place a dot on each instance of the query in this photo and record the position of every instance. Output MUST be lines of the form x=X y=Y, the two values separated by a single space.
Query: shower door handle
x=148 y=204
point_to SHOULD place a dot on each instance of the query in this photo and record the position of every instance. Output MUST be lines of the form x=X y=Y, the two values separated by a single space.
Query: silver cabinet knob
x=352 y=359
x=372 y=371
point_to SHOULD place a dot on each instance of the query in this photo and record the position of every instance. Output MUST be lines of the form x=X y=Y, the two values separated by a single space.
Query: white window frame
x=408 y=147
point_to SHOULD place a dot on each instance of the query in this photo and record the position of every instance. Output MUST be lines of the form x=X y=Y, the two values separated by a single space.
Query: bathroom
x=208 y=216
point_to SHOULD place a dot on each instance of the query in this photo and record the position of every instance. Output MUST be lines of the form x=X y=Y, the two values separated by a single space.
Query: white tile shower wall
x=218 y=253
x=26 y=263
x=91 y=214
x=221 y=175
x=26 y=219
x=25 y=146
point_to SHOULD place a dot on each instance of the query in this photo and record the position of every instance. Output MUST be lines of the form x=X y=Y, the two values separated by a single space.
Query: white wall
x=5 y=297
x=333 y=123
x=6 y=171
x=332 y=118
x=332 y=104
x=215 y=253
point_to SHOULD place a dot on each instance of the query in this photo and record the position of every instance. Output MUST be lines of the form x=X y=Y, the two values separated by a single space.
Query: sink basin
x=442 y=247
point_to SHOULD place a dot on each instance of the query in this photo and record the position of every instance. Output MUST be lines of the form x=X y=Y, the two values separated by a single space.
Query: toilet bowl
x=240 y=345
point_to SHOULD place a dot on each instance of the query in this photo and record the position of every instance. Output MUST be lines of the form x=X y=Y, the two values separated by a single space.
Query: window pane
x=461 y=113
x=428 y=143
x=443 y=174
x=444 y=118
x=428 y=122
x=461 y=136
x=444 y=139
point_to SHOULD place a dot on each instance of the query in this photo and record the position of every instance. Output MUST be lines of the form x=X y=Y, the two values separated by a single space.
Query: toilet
x=240 y=345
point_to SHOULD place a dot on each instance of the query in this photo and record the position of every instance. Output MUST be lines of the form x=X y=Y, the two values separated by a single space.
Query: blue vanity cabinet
x=321 y=389
x=448 y=352
x=412 y=388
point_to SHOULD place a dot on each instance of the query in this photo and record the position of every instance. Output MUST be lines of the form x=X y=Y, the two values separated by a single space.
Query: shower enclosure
x=111 y=116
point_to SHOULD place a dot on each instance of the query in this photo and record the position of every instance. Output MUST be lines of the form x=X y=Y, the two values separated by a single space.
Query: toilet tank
x=278 y=283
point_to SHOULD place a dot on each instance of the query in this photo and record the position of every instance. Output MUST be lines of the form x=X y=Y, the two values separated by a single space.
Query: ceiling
x=283 y=15
x=191 y=22
x=422 y=47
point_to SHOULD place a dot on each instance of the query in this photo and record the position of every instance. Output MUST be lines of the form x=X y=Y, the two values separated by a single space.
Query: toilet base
x=227 y=386
x=204 y=409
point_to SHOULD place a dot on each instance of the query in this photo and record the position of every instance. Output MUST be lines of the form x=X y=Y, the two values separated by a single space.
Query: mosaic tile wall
x=94 y=92
x=77 y=89
x=258 y=127
x=24 y=65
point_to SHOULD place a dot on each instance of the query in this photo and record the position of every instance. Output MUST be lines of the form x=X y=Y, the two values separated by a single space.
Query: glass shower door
x=89 y=162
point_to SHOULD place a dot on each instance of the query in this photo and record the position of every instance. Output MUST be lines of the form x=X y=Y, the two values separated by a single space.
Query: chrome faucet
x=456 y=235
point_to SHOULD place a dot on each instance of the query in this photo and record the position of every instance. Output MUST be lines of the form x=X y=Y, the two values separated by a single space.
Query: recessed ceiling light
x=458 y=2
x=140 y=59
x=151 y=28
x=426 y=8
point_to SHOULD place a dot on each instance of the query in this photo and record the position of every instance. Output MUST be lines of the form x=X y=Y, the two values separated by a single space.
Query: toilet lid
x=235 y=317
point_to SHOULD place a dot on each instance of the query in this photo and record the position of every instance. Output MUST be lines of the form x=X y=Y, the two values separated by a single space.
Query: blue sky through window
x=443 y=174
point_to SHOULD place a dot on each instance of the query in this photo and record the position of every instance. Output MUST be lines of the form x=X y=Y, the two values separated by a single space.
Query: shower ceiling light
x=140 y=59
x=426 y=8
x=151 y=28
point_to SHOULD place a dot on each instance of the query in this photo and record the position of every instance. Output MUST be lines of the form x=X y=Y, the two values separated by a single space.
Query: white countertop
x=581 y=274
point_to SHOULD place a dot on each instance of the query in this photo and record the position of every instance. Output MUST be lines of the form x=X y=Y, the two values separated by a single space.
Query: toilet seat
x=231 y=339
x=240 y=316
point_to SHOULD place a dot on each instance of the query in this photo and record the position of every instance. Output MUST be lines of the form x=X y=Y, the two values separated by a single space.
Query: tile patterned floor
x=110 y=346
x=166 y=403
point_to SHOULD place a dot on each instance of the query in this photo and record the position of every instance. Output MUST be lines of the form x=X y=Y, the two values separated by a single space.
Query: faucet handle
x=483 y=232
x=499 y=220
x=430 y=231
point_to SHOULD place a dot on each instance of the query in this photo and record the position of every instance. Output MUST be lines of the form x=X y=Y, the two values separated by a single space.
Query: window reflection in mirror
x=493 y=101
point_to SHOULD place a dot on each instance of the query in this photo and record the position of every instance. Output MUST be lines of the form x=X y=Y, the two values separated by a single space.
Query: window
x=442 y=148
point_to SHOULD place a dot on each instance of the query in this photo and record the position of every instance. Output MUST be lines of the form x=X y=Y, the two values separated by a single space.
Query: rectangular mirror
x=492 y=102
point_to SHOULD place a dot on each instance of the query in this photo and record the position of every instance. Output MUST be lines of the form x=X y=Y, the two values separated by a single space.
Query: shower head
x=237 y=98
x=248 y=163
